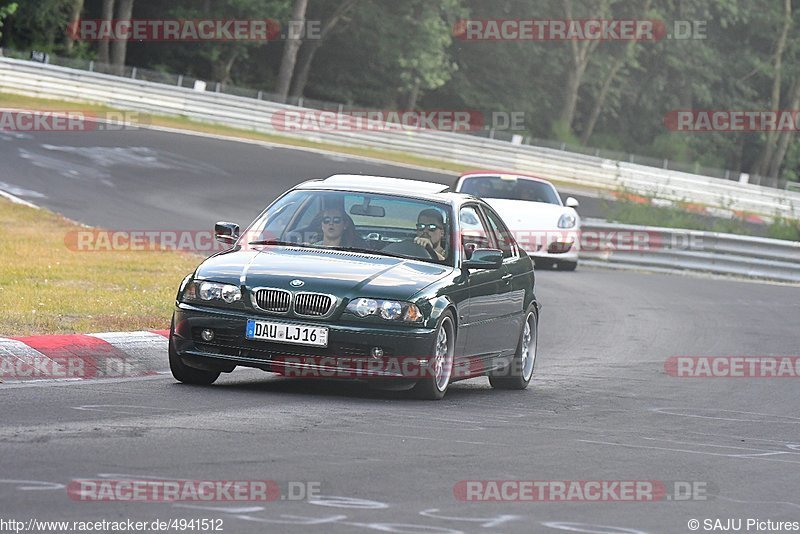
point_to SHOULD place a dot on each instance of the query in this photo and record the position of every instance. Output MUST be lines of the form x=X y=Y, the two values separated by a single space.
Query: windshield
x=358 y=222
x=512 y=188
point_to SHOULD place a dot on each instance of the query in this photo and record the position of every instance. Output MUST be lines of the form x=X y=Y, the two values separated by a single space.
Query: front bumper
x=406 y=350
x=557 y=244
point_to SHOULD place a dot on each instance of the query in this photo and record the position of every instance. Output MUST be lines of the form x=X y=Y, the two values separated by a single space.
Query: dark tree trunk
x=785 y=137
x=763 y=163
x=290 y=50
x=103 y=55
x=580 y=53
x=310 y=47
x=119 y=49
x=222 y=67
x=74 y=19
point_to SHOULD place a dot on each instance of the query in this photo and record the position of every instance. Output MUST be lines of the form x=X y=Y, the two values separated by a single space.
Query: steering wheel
x=409 y=248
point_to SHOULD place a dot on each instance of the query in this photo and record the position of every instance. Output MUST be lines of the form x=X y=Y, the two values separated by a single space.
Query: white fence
x=675 y=249
x=50 y=81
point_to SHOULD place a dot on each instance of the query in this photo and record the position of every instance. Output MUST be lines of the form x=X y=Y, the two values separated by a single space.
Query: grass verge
x=46 y=288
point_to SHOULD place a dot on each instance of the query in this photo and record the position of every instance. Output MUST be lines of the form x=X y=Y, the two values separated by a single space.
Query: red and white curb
x=76 y=357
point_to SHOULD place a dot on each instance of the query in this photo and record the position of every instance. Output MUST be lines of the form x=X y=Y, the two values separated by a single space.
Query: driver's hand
x=423 y=242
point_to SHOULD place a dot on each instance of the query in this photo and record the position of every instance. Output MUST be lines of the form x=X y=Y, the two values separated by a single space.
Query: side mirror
x=484 y=258
x=226 y=232
x=572 y=202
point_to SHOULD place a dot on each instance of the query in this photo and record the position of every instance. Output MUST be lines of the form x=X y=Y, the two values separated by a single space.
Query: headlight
x=210 y=291
x=567 y=221
x=391 y=310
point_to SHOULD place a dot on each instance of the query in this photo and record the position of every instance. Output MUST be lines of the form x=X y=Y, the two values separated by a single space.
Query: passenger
x=337 y=229
x=431 y=231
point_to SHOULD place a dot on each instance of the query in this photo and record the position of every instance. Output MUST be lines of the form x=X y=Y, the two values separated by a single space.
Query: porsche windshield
x=510 y=188
x=357 y=222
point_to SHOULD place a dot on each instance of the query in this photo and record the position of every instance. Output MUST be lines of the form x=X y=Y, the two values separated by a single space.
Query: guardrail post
x=180 y=80
x=216 y=90
x=260 y=94
x=133 y=73
x=91 y=66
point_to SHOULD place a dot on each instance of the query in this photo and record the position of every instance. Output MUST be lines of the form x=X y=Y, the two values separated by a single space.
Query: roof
x=380 y=184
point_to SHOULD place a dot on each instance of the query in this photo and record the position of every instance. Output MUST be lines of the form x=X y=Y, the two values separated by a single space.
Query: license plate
x=316 y=336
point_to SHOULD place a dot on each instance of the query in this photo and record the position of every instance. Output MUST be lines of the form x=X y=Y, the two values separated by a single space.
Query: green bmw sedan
x=398 y=282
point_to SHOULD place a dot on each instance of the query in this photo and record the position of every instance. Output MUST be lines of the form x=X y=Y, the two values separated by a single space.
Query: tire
x=184 y=373
x=433 y=385
x=567 y=265
x=518 y=375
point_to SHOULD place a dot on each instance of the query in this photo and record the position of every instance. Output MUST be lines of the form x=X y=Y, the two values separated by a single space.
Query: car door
x=485 y=303
x=515 y=281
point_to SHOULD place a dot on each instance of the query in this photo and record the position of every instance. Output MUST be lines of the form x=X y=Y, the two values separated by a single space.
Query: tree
x=580 y=54
x=425 y=60
x=6 y=11
x=768 y=160
x=228 y=62
x=76 y=8
x=103 y=47
x=310 y=46
x=119 y=47
x=291 y=47
x=625 y=56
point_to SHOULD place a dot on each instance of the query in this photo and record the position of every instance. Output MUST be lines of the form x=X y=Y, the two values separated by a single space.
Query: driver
x=430 y=231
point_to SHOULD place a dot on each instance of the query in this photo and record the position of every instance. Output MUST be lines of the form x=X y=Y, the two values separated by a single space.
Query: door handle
x=507 y=278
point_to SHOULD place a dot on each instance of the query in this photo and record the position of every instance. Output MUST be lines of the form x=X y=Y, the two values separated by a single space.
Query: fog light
x=377 y=352
x=207 y=334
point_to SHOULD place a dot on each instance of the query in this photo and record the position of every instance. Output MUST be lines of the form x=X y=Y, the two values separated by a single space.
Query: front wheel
x=518 y=374
x=184 y=373
x=434 y=384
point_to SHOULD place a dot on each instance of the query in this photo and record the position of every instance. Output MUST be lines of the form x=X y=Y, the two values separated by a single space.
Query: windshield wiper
x=276 y=242
x=378 y=253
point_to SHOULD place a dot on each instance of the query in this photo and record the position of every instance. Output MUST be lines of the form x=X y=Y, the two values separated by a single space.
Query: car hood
x=527 y=215
x=340 y=273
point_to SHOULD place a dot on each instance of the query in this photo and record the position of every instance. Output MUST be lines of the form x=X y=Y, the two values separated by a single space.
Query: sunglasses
x=329 y=220
x=428 y=226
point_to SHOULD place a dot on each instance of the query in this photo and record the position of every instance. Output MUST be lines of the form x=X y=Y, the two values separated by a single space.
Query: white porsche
x=546 y=228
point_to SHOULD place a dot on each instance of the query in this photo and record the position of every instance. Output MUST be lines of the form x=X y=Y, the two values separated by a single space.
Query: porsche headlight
x=390 y=310
x=212 y=291
x=567 y=220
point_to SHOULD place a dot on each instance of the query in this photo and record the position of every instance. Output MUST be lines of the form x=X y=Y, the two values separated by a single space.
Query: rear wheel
x=518 y=374
x=567 y=265
x=434 y=384
x=184 y=373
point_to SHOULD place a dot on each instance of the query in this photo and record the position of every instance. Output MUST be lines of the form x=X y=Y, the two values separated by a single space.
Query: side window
x=473 y=232
x=501 y=234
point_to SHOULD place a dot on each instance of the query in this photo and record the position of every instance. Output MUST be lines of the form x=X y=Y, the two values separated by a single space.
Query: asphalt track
x=601 y=406
x=146 y=179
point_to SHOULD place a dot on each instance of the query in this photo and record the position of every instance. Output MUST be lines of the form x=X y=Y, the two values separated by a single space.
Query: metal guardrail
x=649 y=247
x=49 y=81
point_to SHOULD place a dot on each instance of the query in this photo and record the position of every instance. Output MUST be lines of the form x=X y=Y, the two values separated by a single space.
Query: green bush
x=784 y=228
